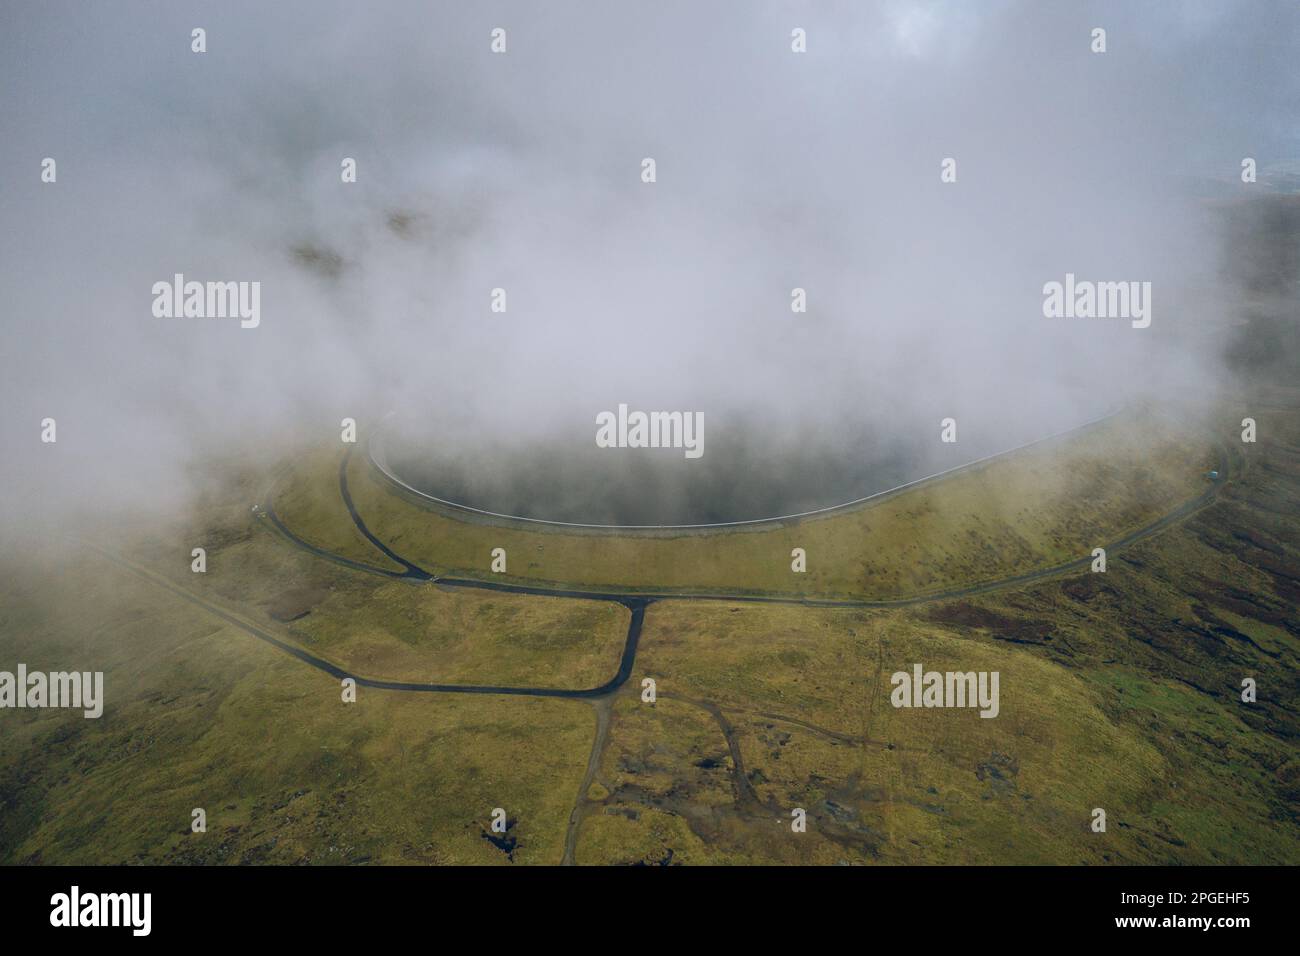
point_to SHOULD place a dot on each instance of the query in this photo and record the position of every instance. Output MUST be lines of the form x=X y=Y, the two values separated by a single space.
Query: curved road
x=636 y=603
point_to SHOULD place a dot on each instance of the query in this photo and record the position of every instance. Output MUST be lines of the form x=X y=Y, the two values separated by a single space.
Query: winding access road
x=635 y=602
x=601 y=696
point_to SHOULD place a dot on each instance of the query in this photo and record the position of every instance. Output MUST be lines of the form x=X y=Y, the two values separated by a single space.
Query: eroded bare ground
x=1142 y=668
x=1120 y=690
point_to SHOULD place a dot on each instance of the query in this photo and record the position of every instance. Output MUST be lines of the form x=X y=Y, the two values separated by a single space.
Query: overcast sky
x=522 y=171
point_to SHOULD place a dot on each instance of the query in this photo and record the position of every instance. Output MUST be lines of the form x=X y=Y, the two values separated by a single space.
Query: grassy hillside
x=1046 y=505
x=200 y=714
x=1118 y=690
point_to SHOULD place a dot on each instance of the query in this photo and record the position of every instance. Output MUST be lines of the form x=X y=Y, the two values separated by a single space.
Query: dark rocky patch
x=295 y=603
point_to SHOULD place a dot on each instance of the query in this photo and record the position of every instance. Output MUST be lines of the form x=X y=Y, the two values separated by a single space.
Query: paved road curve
x=636 y=603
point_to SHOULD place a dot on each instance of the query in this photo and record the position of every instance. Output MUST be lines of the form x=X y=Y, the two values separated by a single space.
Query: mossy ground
x=200 y=714
x=1033 y=509
x=1118 y=690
